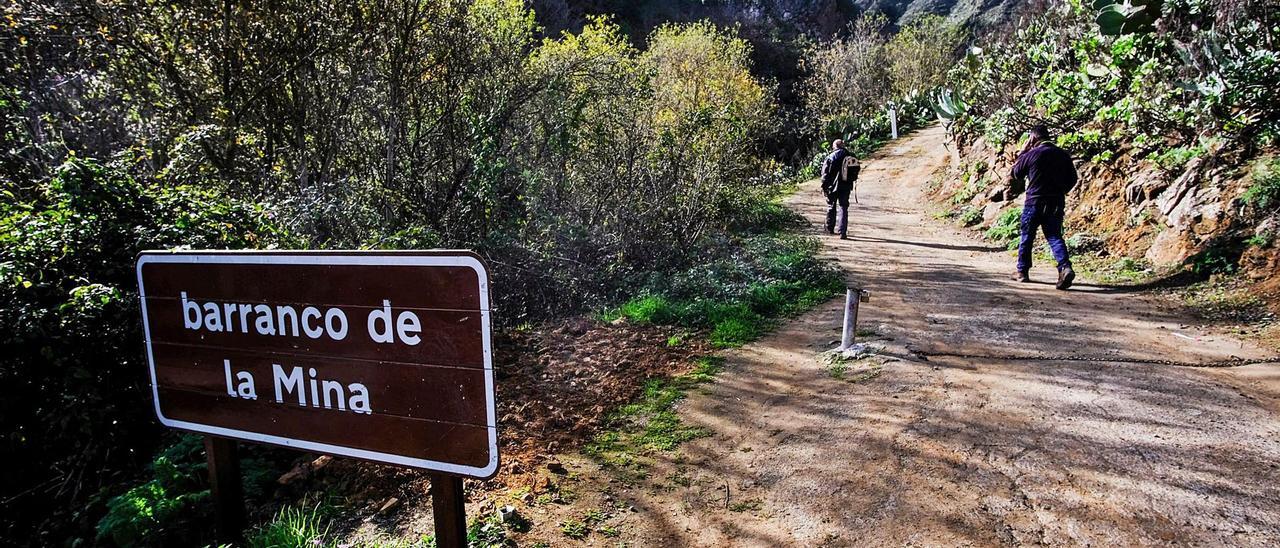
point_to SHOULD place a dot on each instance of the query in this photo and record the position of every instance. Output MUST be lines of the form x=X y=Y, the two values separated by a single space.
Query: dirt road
x=969 y=451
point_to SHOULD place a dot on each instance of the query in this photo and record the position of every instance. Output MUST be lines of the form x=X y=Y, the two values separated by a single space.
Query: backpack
x=849 y=171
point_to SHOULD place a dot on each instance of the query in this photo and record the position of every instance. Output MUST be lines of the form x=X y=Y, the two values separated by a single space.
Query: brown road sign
x=379 y=356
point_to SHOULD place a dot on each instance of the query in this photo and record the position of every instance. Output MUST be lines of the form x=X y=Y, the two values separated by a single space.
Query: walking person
x=839 y=171
x=1048 y=175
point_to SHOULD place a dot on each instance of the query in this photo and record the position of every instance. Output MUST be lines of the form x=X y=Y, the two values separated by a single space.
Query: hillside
x=1173 y=124
x=788 y=18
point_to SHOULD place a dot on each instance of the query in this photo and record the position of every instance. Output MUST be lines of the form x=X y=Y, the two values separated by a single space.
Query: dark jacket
x=1047 y=172
x=831 y=167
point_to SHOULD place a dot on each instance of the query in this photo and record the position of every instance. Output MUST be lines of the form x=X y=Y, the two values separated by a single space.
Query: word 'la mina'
x=325 y=394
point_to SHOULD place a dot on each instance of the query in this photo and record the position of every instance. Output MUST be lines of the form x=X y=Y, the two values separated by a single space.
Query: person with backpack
x=1048 y=174
x=839 y=172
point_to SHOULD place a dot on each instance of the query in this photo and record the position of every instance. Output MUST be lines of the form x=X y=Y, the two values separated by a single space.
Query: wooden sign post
x=378 y=356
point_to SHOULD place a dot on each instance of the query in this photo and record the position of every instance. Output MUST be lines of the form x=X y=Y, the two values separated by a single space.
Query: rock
x=996 y=194
x=1146 y=185
x=388 y=506
x=557 y=468
x=992 y=210
x=303 y=470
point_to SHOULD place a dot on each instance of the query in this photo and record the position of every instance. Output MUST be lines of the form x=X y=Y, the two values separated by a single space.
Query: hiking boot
x=844 y=236
x=1065 y=277
x=1021 y=276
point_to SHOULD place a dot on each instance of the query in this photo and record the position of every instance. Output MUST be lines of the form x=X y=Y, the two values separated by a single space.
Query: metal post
x=850 y=318
x=224 y=481
x=893 y=121
x=448 y=507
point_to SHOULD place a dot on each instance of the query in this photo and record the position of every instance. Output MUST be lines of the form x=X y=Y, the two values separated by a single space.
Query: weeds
x=1007 y=227
x=1264 y=192
x=1261 y=239
x=1225 y=302
x=301 y=526
x=574 y=529
x=650 y=424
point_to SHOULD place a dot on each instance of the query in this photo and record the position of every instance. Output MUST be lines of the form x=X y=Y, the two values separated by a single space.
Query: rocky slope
x=1188 y=219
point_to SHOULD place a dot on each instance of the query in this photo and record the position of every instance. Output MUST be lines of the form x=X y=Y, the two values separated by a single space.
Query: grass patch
x=304 y=525
x=650 y=425
x=851 y=368
x=738 y=297
x=751 y=505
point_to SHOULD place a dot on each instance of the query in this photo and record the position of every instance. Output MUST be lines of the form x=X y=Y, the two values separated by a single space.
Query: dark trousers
x=1047 y=217
x=837 y=200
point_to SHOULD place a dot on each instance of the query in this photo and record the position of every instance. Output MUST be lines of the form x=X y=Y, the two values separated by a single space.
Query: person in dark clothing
x=1048 y=174
x=839 y=171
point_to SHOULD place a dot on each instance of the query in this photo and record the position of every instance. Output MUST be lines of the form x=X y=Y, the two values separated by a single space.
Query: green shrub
x=1264 y=192
x=969 y=216
x=69 y=328
x=1174 y=159
x=1217 y=259
x=172 y=503
x=1007 y=227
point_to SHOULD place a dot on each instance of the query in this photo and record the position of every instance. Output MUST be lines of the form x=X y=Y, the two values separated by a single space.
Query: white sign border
x=373 y=258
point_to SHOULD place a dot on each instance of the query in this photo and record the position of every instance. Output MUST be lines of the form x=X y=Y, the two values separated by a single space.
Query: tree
x=849 y=76
x=921 y=53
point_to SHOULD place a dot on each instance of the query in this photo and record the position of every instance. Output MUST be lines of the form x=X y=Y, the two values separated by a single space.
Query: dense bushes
x=853 y=80
x=1199 y=82
x=71 y=343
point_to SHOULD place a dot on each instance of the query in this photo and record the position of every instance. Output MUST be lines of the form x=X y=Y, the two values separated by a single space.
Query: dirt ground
x=914 y=447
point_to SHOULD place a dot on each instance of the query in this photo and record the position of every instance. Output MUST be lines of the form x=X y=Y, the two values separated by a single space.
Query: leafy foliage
x=69 y=316
x=1264 y=191
x=173 y=500
x=1007 y=227
x=854 y=81
x=1200 y=82
x=1126 y=17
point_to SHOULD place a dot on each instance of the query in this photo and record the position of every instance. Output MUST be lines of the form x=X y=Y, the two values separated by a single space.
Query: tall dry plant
x=921 y=53
x=848 y=76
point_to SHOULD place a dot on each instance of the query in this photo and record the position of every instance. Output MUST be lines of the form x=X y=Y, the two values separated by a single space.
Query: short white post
x=850 y=318
x=893 y=120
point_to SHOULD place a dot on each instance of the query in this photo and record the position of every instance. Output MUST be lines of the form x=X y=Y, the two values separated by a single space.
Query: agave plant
x=949 y=104
x=1127 y=16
